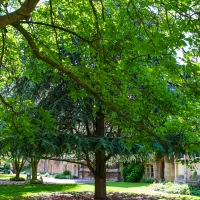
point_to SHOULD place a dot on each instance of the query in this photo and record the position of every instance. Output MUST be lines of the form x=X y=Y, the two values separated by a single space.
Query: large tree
x=124 y=53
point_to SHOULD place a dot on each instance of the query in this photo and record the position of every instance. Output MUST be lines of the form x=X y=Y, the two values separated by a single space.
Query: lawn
x=13 y=191
x=8 y=176
x=9 y=192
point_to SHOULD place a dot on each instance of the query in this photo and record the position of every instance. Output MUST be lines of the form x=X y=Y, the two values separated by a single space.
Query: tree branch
x=22 y=13
x=3 y=48
x=7 y=104
x=88 y=88
x=64 y=159
x=143 y=24
x=60 y=28
x=55 y=31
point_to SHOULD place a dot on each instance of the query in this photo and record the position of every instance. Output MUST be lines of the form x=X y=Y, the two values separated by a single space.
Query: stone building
x=58 y=167
x=113 y=172
x=158 y=168
x=172 y=169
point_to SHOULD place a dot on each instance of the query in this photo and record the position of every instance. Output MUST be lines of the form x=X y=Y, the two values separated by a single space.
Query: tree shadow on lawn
x=8 y=192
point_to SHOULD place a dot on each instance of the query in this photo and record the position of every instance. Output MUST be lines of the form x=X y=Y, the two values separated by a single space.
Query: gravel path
x=12 y=182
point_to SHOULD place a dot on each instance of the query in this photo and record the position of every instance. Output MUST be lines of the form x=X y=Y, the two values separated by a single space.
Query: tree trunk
x=100 y=161
x=17 y=173
x=34 y=164
x=17 y=169
x=18 y=163
x=100 y=176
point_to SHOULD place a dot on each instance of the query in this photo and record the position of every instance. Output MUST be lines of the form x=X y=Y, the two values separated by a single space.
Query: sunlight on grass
x=14 y=191
x=8 y=176
x=7 y=192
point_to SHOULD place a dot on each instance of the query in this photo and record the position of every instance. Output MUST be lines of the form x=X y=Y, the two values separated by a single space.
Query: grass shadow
x=8 y=192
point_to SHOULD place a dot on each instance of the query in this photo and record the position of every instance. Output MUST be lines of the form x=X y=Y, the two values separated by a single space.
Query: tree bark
x=100 y=176
x=100 y=161
x=19 y=163
x=34 y=164
x=22 y=13
x=17 y=168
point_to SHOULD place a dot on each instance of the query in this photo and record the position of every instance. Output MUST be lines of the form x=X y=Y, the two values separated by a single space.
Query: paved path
x=49 y=180
x=67 y=181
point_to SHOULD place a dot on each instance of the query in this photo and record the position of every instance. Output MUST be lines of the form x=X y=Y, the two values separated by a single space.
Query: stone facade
x=170 y=169
x=113 y=172
x=57 y=167
x=158 y=168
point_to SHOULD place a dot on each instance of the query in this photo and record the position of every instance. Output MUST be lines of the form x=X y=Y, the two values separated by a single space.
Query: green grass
x=8 y=176
x=13 y=191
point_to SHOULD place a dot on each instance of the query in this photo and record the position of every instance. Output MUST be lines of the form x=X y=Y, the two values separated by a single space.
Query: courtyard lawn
x=8 y=176
x=12 y=191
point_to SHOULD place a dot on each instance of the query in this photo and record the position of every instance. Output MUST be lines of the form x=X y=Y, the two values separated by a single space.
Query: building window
x=150 y=171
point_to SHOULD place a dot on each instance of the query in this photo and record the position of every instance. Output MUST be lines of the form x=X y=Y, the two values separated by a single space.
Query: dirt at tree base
x=88 y=196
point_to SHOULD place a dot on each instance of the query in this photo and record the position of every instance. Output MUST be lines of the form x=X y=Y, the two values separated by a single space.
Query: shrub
x=171 y=188
x=178 y=189
x=7 y=168
x=61 y=176
x=147 y=180
x=17 y=179
x=158 y=186
x=67 y=172
x=132 y=172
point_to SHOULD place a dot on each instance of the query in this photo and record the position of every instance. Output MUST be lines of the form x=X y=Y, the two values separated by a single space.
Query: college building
x=158 y=168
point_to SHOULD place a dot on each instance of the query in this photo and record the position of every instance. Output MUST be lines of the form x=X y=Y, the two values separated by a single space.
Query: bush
x=178 y=189
x=147 y=180
x=158 y=186
x=17 y=179
x=61 y=176
x=171 y=188
x=67 y=172
x=7 y=168
x=132 y=172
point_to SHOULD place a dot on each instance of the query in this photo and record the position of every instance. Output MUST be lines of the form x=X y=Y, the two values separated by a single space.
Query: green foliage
x=121 y=54
x=195 y=190
x=65 y=175
x=147 y=180
x=172 y=188
x=67 y=172
x=132 y=172
x=7 y=168
x=17 y=179
x=62 y=176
